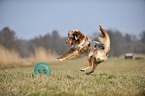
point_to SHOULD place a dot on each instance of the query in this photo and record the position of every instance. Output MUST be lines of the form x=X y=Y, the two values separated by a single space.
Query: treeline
x=120 y=44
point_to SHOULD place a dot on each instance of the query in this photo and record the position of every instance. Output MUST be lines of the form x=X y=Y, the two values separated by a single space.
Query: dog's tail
x=105 y=40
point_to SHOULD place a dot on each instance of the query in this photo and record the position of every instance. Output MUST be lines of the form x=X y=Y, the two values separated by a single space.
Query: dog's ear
x=77 y=34
x=80 y=35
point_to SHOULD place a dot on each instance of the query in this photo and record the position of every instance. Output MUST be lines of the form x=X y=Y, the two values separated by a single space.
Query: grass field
x=115 y=77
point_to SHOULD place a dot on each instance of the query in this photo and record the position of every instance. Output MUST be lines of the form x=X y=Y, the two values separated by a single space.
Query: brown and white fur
x=97 y=52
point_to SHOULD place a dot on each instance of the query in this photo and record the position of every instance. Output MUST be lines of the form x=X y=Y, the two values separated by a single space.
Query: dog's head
x=75 y=37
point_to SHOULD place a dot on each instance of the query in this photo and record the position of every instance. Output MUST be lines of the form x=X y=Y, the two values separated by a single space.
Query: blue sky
x=30 y=18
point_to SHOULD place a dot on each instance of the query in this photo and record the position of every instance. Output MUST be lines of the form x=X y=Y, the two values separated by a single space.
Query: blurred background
x=33 y=31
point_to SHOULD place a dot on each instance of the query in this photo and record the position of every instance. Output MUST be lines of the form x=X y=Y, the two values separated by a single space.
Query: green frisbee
x=42 y=68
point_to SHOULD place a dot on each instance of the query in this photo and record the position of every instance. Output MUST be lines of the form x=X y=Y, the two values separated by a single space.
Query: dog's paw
x=82 y=70
x=88 y=73
x=57 y=58
x=61 y=60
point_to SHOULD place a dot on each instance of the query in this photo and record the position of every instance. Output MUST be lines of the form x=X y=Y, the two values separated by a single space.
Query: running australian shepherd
x=97 y=52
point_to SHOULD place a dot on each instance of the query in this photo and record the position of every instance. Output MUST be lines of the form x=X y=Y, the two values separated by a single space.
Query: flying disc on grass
x=42 y=68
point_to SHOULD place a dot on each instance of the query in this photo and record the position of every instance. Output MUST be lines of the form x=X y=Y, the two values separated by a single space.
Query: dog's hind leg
x=90 y=59
x=94 y=67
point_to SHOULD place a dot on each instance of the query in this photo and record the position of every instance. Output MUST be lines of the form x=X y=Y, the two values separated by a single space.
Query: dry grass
x=115 y=77
x=12 y=59
x=43 y=55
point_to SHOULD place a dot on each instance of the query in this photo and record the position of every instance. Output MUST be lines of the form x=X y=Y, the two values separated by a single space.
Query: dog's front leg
x=73 y=55
x=67 y=52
